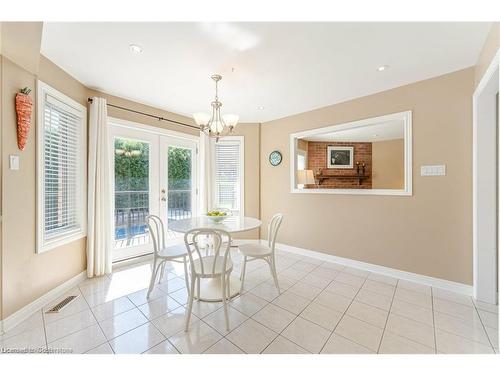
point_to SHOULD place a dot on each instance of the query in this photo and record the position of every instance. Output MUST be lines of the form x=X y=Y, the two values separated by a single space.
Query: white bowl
x=217 y=219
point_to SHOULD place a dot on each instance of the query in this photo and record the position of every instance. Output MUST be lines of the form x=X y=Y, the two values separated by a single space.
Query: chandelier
x=215 y=125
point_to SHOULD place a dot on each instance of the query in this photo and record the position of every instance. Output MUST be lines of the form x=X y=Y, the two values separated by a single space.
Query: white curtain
x=99 y=229
x=206 y=173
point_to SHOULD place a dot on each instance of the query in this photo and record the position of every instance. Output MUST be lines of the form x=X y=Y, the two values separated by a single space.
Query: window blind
x=61 y=168
x=227 y=176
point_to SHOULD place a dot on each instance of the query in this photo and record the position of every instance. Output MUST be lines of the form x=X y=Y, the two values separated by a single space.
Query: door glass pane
x=131 y=192
x=179 y=185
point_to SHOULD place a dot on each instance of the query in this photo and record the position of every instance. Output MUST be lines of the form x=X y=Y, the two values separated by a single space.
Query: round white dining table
x=211 y=289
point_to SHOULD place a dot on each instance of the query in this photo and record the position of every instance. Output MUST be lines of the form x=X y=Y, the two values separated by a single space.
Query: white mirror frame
x=407 y=191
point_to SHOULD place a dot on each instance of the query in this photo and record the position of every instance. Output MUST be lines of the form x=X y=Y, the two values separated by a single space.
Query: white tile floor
x=323 y=308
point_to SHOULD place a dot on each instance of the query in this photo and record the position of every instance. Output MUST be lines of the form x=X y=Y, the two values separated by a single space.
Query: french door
x=153 y=174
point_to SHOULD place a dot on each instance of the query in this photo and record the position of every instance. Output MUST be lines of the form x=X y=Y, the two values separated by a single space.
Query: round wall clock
x=275 y=158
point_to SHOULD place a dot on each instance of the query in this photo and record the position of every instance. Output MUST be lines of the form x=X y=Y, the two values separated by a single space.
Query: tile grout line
x=136 y=307
x=108 y=341
x=224 y=336
x=343 y=314
x=71 y=315
x=200 y=319
x=297 y=315
x=311 y=301
x=44 y=329
x=482 y=324
x=97 y=322
x=468 y=338
x=270 y=302
x=388 y=314
x=250 y=317
x=433 y=321
x=150 y=321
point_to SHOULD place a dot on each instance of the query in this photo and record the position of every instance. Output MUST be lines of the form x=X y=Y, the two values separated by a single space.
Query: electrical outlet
x=433 y=170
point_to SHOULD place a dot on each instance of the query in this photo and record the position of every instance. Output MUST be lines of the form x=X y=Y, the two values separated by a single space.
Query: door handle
x=163 y=199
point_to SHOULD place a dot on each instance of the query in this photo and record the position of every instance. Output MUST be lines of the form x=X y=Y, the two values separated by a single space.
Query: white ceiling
x=286 y=67
x=372 y=133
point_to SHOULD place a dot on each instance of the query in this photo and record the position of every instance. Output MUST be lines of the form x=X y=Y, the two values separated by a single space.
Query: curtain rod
x=148 y=115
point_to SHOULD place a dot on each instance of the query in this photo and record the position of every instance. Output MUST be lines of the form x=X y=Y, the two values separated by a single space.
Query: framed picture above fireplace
x=340 y=157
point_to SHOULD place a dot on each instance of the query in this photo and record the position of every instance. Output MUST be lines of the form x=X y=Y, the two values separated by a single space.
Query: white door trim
x=484 y=185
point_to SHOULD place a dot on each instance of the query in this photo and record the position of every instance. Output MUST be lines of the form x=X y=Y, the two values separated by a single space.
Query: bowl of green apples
x=217 y=215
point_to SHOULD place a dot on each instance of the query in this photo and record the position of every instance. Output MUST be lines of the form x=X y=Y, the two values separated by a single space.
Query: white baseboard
x=392 y=272
x=14 y=319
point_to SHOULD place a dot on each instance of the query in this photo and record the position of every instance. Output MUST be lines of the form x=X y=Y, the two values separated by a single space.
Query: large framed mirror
x=371 y=156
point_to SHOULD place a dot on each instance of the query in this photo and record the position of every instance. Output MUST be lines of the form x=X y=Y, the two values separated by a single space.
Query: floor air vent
x=61 y=305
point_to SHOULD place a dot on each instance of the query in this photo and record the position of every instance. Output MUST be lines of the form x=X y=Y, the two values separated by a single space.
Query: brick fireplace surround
x=316 y=160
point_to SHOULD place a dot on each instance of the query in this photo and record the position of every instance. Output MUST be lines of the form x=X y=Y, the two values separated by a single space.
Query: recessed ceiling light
x=382 y=68
x=375 y=135
x=260 y=107
x=134 y=48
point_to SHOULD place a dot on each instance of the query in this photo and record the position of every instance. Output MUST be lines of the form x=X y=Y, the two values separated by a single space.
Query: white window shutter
x=227 y=175
x=61 y=170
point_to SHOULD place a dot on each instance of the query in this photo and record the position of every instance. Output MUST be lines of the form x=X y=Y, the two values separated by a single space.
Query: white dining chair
x=255 y=251
x=216 y=266
x=162 y=253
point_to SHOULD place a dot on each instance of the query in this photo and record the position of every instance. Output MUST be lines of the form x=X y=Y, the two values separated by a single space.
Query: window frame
x=233 y=139
x=43 y=244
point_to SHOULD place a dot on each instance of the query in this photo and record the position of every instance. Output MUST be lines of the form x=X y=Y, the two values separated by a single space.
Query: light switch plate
x=14 y=162
x=433 y=170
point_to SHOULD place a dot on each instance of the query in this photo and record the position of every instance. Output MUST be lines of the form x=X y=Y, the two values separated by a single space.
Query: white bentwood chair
x=252 y=251
x=216 y=266
x=162 y=253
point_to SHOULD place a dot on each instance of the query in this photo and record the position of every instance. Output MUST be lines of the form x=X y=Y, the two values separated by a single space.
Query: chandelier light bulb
x=231 y=120
x=201 y=118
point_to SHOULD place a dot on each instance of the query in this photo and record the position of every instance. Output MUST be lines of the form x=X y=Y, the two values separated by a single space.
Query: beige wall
x=388 y=164
x=428 y=233
x=490 y=48
x=21 y=43
x=26 y=275
x=135 y=117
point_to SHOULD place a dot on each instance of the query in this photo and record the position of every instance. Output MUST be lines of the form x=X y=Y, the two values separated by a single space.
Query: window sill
x=60 y=241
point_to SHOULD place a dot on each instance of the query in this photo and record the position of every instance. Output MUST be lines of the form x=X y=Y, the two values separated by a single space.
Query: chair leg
x=162 y=272
x=274 y=273
x=190 y=306
x=198 y=288
x=242 y=277
x=186 y=276
x=228 y=286
x=224 y=300
x=153 y=279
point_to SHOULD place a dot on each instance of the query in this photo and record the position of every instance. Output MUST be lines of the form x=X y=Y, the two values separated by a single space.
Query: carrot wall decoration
x=24 y=106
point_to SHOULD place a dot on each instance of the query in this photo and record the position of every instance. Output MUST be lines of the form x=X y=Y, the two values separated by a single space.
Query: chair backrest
x=220 y=250
x=157 y=232
x=272 y=230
